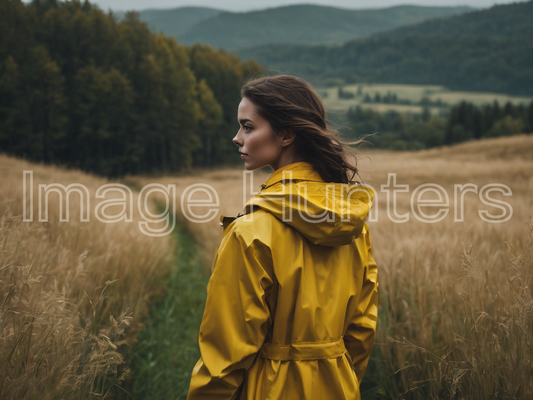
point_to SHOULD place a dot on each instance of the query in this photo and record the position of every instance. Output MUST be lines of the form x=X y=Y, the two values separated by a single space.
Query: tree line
x=80 y=89
x=464 y=121
x=392 y=98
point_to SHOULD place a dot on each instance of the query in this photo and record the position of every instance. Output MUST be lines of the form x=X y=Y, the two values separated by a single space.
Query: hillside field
x=412 y=93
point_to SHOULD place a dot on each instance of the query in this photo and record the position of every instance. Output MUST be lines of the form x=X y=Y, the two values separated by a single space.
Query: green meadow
x=416 y=95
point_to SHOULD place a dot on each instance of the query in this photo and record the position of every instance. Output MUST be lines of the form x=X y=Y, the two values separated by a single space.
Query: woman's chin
x=248 y=166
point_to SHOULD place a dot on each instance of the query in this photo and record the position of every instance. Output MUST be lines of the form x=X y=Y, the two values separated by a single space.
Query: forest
x=79 y=89
x=463 y=121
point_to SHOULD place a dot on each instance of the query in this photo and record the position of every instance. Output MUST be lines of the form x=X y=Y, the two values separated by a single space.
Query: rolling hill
x=515 y=20
x=176 y=21
x=462 y=53
x=295 y=24
x=305 y=24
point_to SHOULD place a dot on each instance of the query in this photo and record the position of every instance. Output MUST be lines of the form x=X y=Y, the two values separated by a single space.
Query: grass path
x=167 y=350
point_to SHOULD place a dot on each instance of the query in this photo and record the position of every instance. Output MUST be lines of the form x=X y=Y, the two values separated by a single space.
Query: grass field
x=455 y=302
x=413 y=93
x=74 y=295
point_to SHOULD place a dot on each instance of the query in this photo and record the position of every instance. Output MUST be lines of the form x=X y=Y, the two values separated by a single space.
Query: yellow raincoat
x=291 y=306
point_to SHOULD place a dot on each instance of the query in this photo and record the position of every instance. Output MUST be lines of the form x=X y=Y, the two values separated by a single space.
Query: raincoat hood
x=327 y=214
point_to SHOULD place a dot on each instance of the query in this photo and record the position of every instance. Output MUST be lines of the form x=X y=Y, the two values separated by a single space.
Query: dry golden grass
x=456 y=308
x=475 y=307
x=71 y=293
x=475 y=315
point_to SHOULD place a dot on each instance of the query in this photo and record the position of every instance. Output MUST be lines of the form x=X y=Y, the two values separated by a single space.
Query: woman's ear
x=288 y=137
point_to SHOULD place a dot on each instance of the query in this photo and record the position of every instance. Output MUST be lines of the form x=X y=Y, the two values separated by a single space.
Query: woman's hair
x=290 y=103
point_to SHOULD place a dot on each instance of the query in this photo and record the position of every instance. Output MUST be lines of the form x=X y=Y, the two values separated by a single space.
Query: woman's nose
x=236 y=140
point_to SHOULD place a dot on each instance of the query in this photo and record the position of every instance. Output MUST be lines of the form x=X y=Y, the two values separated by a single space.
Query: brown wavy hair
x=290 y=103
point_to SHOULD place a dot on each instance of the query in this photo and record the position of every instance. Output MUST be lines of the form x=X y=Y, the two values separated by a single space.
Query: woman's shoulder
x=257 y=225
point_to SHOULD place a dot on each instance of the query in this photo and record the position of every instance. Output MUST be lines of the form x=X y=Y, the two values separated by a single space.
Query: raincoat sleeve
x=236 y=318
x=359 y=337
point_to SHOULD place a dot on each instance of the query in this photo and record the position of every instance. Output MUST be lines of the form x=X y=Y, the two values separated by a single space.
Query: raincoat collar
x=299 y=170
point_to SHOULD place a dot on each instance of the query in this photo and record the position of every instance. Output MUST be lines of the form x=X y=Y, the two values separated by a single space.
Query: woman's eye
x=247 y=128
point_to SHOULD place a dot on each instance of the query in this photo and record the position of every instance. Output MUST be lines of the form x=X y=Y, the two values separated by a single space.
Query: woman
x=291 y=308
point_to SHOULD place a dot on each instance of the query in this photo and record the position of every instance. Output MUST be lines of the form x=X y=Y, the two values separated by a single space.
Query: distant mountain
x=514 y=20
x=299 y=24
x=463 y=53
x=176 y=21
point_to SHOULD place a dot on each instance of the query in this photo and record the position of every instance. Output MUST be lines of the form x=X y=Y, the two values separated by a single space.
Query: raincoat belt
x=303 y=351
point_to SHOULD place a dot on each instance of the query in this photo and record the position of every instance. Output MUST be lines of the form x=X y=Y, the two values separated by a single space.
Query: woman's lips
x=244 y=155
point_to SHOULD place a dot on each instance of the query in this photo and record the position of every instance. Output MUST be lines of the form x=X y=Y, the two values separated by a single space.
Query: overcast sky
x=247 y=5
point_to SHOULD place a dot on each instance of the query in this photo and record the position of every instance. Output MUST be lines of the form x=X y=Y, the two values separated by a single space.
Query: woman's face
x=257 y=144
